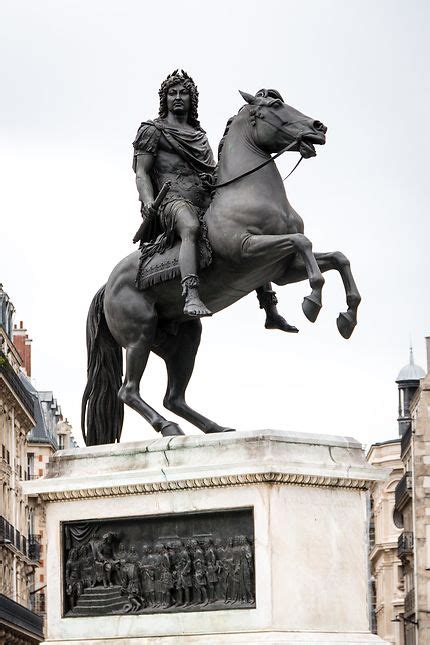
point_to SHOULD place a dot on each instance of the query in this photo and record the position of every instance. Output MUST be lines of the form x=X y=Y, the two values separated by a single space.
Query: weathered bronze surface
x=190 y=562
x=222 y=231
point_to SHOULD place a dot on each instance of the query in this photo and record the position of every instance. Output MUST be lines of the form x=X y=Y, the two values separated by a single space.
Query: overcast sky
x=78 y=77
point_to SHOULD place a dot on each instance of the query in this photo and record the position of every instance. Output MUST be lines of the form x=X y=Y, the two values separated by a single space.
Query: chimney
x=23 y=344
x=428 y=352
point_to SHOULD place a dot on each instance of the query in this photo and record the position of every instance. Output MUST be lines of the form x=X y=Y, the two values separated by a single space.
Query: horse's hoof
x=171 y=429
x=218 y=429
x=345 y=324
x=311 y=308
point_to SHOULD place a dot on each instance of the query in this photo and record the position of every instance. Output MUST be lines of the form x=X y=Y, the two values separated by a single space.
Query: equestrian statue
x=210 y=234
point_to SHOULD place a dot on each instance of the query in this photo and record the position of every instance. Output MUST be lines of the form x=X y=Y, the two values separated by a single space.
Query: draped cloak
x=193 y=147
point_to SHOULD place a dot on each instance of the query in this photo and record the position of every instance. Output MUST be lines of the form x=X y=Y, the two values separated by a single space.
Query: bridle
x=256 y=115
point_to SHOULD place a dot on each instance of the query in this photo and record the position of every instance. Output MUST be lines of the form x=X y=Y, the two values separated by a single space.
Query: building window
x=30 y=465
x=61 y=441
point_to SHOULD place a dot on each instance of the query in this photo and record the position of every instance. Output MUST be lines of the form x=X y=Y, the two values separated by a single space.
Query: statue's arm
x=144 y=165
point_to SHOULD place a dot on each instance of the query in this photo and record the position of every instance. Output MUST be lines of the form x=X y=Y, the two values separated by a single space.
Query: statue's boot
x=268 y=301
x=193 y=304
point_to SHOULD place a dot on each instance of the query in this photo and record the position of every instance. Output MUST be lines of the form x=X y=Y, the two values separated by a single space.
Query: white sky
x=78 y=77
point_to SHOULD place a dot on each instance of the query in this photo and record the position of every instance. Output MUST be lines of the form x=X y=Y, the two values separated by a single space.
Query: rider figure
x=174 y=148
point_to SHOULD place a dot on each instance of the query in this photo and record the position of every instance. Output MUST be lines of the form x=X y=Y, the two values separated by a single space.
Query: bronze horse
x=256 y=237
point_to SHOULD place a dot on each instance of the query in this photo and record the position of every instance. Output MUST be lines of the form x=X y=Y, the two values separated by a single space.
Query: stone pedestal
x=308 y=499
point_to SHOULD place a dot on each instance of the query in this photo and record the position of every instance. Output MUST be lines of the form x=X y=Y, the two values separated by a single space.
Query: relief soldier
x=183 y=580
x=211 y=574
x=174 y=148
x=199 y=579
x=229 y=568
x=246 y=573
x=131 y=579
x=166 y=578
x=73 y=577
x=221 y=570
x=147 y=576
x=88 y=566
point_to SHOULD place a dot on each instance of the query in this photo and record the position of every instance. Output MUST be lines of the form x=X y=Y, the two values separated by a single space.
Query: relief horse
x=256 y=237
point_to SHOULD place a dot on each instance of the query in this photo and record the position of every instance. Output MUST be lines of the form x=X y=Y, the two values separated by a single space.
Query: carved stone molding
x=205 y=482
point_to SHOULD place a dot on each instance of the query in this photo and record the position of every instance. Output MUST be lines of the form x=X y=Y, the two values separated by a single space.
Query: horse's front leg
x=272 y=248
x=335 y=260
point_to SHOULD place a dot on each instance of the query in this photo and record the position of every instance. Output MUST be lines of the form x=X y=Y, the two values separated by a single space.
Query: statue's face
x=178 y=99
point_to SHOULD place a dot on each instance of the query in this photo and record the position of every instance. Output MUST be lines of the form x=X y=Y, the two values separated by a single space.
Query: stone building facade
x=400 y=519
x=18 y=557
x=412 y=512
x=31 y=430
x=386 y=580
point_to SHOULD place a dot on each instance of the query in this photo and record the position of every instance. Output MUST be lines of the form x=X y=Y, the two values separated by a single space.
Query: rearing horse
x=256 y=237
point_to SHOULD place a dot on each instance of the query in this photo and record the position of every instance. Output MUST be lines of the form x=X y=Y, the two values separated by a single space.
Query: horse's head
x=276 y=124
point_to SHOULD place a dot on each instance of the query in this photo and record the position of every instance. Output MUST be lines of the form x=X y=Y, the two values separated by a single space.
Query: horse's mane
x=227 y=128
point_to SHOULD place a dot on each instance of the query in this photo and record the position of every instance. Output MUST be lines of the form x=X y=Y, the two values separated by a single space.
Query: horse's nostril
x=320 y=126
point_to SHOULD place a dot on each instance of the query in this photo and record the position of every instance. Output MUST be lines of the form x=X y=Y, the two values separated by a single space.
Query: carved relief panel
x=170 y=563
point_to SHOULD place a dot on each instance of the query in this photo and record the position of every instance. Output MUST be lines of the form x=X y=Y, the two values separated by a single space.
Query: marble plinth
x=309 y=501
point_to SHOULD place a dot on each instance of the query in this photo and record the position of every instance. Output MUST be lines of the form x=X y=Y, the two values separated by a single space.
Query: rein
x=261 y=165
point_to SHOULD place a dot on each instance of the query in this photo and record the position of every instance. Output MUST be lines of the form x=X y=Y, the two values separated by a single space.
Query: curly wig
x=173 y=79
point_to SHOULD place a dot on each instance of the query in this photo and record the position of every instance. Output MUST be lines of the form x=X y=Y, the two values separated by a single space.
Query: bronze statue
x=172 y=157
x=255 y=237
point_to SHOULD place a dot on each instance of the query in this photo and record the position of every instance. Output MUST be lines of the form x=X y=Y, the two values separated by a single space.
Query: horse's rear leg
x=276 y=247
x=336 y=260
x=136 y=360
x=179 y=353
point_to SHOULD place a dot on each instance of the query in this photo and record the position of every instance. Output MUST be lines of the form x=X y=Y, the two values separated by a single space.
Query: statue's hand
x=148 y=210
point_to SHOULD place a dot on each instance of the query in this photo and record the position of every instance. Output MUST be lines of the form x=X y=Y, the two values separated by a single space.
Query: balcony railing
x=10 y=536
x=7 y=532
x=403 y=491
x=14 y=381
x=405 y=544
x=34 y=547
x=410 y=602
x=18 y=540
x=406 y=441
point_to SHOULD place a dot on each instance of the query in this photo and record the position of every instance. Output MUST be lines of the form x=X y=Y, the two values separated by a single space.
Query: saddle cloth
x=161 y=267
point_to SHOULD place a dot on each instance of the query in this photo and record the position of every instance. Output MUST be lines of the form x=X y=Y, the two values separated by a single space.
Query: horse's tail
x=102 y=412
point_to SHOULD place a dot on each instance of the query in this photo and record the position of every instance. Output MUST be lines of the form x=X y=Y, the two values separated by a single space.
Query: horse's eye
x=277 y=105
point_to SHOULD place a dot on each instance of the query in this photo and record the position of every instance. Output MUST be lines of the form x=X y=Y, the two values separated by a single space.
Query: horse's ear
x=248 y=97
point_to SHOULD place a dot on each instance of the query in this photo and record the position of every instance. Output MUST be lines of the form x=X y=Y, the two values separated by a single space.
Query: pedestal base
x=307 y=496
